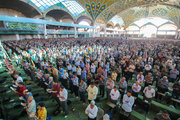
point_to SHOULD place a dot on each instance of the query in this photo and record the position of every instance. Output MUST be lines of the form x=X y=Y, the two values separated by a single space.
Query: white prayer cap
x=106 y=117
x=93 y=102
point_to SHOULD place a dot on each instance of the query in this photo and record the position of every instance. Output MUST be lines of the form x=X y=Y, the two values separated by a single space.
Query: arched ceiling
x=22 y=7
x=120 y=5
x=71 y=6
x=116 y=20
x=59 y=14
x=103 y=11
x=84 y=18
x=133 y=14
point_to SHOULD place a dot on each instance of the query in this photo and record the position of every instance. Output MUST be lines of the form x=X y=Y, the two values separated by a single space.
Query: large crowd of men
x=117 y=69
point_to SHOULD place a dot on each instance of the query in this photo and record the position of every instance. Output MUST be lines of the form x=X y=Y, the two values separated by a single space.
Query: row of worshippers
x=129 y=70
x=131 y=67
x=26 y=97
x=161 y=84
x=111 y=93
x=148 y=68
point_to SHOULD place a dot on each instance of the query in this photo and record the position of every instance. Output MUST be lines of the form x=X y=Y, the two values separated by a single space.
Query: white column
x=17 y=37
x=75 y=32
x=38 y=36
x=105 y=32
x=90 y=32
x=93 y=32
x=54 y=35
x=178 y=35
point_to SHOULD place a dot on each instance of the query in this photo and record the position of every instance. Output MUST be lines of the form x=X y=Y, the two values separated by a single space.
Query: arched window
x=168 y=29
x=154 y=20
x=84 y=23
x=148 y=31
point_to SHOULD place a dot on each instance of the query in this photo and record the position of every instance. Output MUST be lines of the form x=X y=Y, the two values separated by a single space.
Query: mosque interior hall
x=89 y=59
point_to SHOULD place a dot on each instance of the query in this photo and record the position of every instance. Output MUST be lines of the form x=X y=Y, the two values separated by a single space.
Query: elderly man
x=63 y=95
x=82 y=90
x=173 y=75
x=79 y=70
x=148 y=80
x=30 y=107
x=149 y=93
x=122 y=86
x=147 y=68
x=156 y=76
x=110 y=85
x=93 y=69
x=118 y=71
x=114 y=75
x=91 y=111
x=140 y=78
x=18 y=79
x=162 y=116
x=131 y=70
x=102 y=83
x=115 y=95
x=176 y=91
x=136 y=89
x=65 y=79
x=163 y=85
x=55 y=91
x=92 y=92
x=75 y=85
x=127 y=104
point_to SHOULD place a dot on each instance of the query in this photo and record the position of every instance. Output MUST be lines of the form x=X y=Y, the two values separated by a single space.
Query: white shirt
x=64 y=94
x=131 y=68
x=127 y=103
x=148 y=67
x=45 y=65
x=19 y=79
x=149 y=93
x=114 y=94
x=78 y=71
x=93 y=68
x=140 y=79
x=92 y=92
x=69 y=67
x=65 y=76
x=92 y=112
x=134 y=88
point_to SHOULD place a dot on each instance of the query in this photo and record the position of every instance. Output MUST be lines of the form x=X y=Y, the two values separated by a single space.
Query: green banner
x=23 y=26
